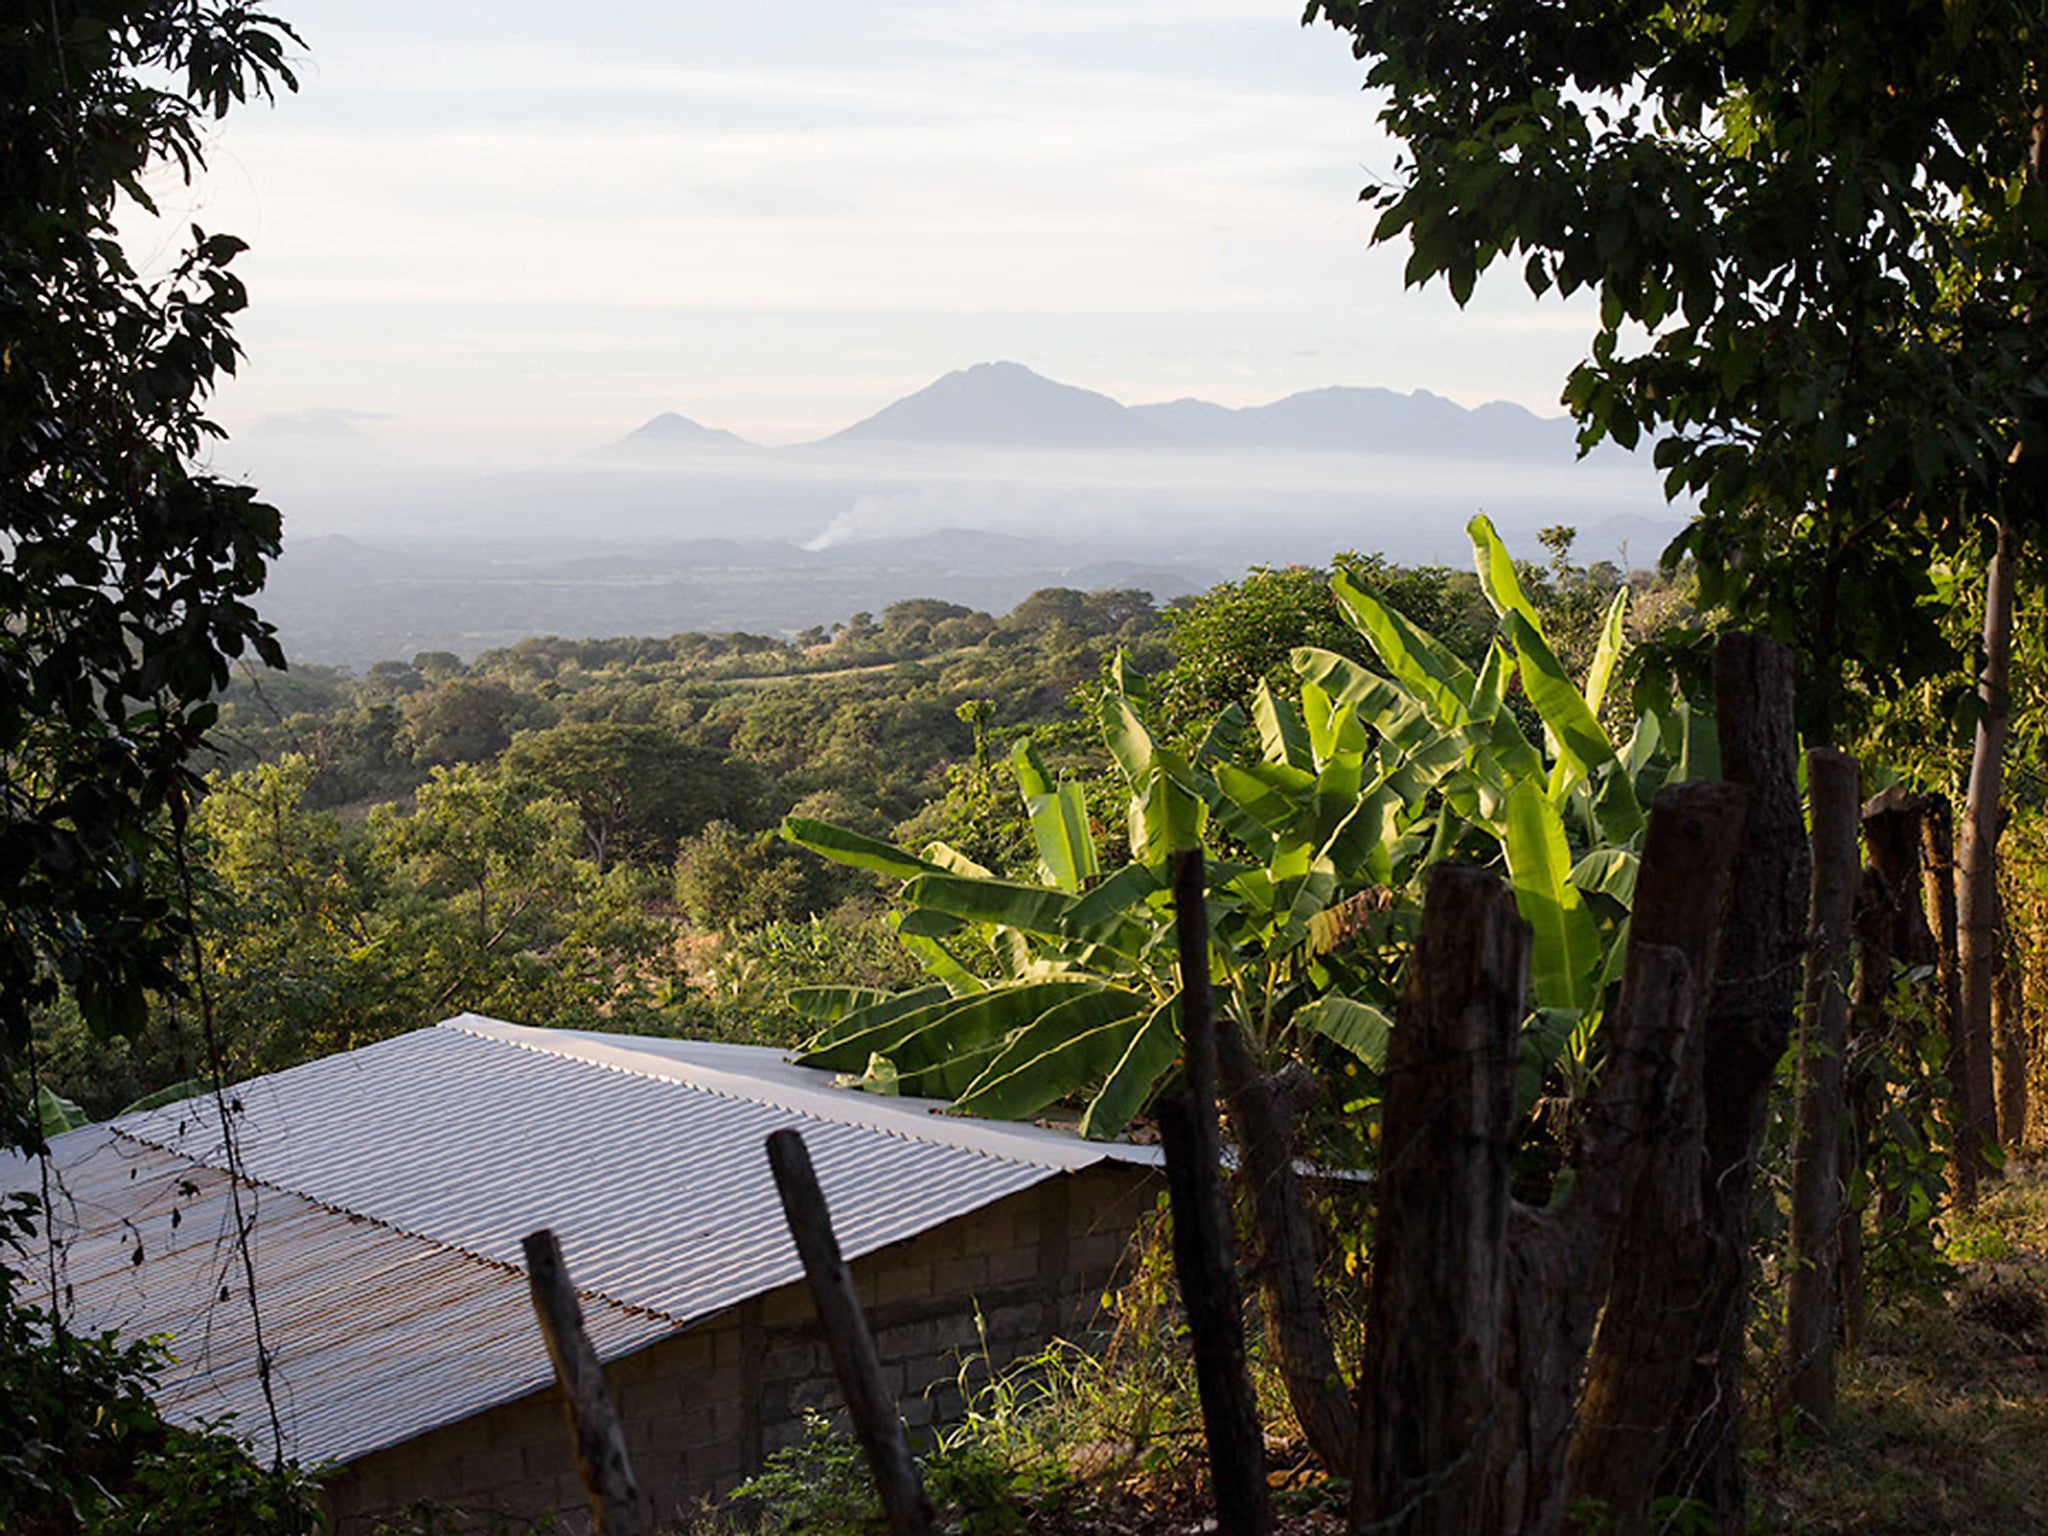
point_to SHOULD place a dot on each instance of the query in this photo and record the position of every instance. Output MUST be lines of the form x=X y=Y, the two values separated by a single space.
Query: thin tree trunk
x=1297 y=1329
x=1977 y=856
x=1813 y=1296
x=1939 y=871
x=1869 y=1043
x=1891 y=928
x=2009 y=1038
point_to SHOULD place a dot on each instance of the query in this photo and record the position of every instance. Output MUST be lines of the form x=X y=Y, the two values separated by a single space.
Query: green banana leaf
x=885 y=1007
x=1609 y=872
x=1360 y=1028
x=1497 y=576
x=1056 y=1072
x=856 y=849
x=56 y=1114
x=1150 y=1055
x=1613 y=640
x=1059 y=822
x=920 y=1040
x=1282 y=735
x=1565 y=952
x=1418 y=662
x=1006 y=903
x=1060 y=1023
x=1584 y=754
x=826 y=1004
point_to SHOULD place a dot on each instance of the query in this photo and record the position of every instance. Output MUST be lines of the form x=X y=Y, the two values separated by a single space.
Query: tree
x=638 y=788
x=128 y=576
x=1815 y=234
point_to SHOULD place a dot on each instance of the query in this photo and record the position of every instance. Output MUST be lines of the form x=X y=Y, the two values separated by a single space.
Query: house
x=385 y=1192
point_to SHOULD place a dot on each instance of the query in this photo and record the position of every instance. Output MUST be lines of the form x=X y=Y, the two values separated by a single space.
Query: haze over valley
x=988 y=484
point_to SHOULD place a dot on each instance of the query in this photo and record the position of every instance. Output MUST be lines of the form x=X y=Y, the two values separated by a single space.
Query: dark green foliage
x=639 y=788
x=1241 y=633
x=1814 y=242
x=127 y=579
x=729 y=879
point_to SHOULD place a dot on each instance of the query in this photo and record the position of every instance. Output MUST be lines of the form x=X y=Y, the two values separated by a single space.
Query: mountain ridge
x=1006 y=404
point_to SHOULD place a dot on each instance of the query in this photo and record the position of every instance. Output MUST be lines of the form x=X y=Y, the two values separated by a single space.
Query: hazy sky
x=508 y=230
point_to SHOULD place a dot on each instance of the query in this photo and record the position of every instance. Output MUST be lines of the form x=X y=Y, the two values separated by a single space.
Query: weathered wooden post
x=1662 y=1407
x=1202 y=1251
x=1427 y=1393
x=1813 y=1295
x=616 y=1508
x=876 y=1423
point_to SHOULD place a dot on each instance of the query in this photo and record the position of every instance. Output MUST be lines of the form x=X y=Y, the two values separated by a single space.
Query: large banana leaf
x=1061 y=1069
x=1166 y=812
x=844 y=1010
x=1282 y=735
x=1418 y=661
x=846 y=847
x=1006 y=903
x=1150 y=1055
x=1376 y=700
x=1360 y=1028
x=1584 y=754
x=1064 y=1021
x=1059 y=822
x=1564 y=956
x=1497 y=576
x=1098 y=914
x=1613 y=638
x=920 y=1040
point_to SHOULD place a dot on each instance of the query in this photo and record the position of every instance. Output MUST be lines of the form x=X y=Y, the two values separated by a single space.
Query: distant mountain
x=672 y=430
x=1006 y=405
x=1367 y=421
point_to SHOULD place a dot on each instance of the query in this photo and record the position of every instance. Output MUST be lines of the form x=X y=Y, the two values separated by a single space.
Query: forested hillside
x=586 y=833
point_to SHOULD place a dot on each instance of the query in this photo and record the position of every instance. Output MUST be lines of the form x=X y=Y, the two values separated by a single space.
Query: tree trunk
x=1977 y=857
x=1432 y=1364
x=1813 y=1298
x=1661 y=1413
x=1939 y=866
x=2009 y=1037
x=1869 y=1045
x=1263 y=1109
x=1891 y=928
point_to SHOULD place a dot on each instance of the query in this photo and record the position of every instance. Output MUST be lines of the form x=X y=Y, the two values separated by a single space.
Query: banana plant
x=1319 y=813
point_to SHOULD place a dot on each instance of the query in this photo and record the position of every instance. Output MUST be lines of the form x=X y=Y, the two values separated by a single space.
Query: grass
x=1943 y=1419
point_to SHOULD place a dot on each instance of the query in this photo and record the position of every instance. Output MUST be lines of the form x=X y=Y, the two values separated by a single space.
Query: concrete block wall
x=705 y=1406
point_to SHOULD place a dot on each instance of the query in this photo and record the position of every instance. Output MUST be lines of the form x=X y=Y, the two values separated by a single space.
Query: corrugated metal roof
x=393 y=1185
x=375 y=1335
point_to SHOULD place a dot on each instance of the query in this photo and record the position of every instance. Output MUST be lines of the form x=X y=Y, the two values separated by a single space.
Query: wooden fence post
x=1813 y=1295
x=1427 y=1392
x=1202 y=1255
x=616 y=1508
x=876 y=1423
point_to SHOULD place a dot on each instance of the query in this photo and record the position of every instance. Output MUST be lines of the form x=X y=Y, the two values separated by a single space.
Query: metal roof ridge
x=116 y=1128
x=828 y=1105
